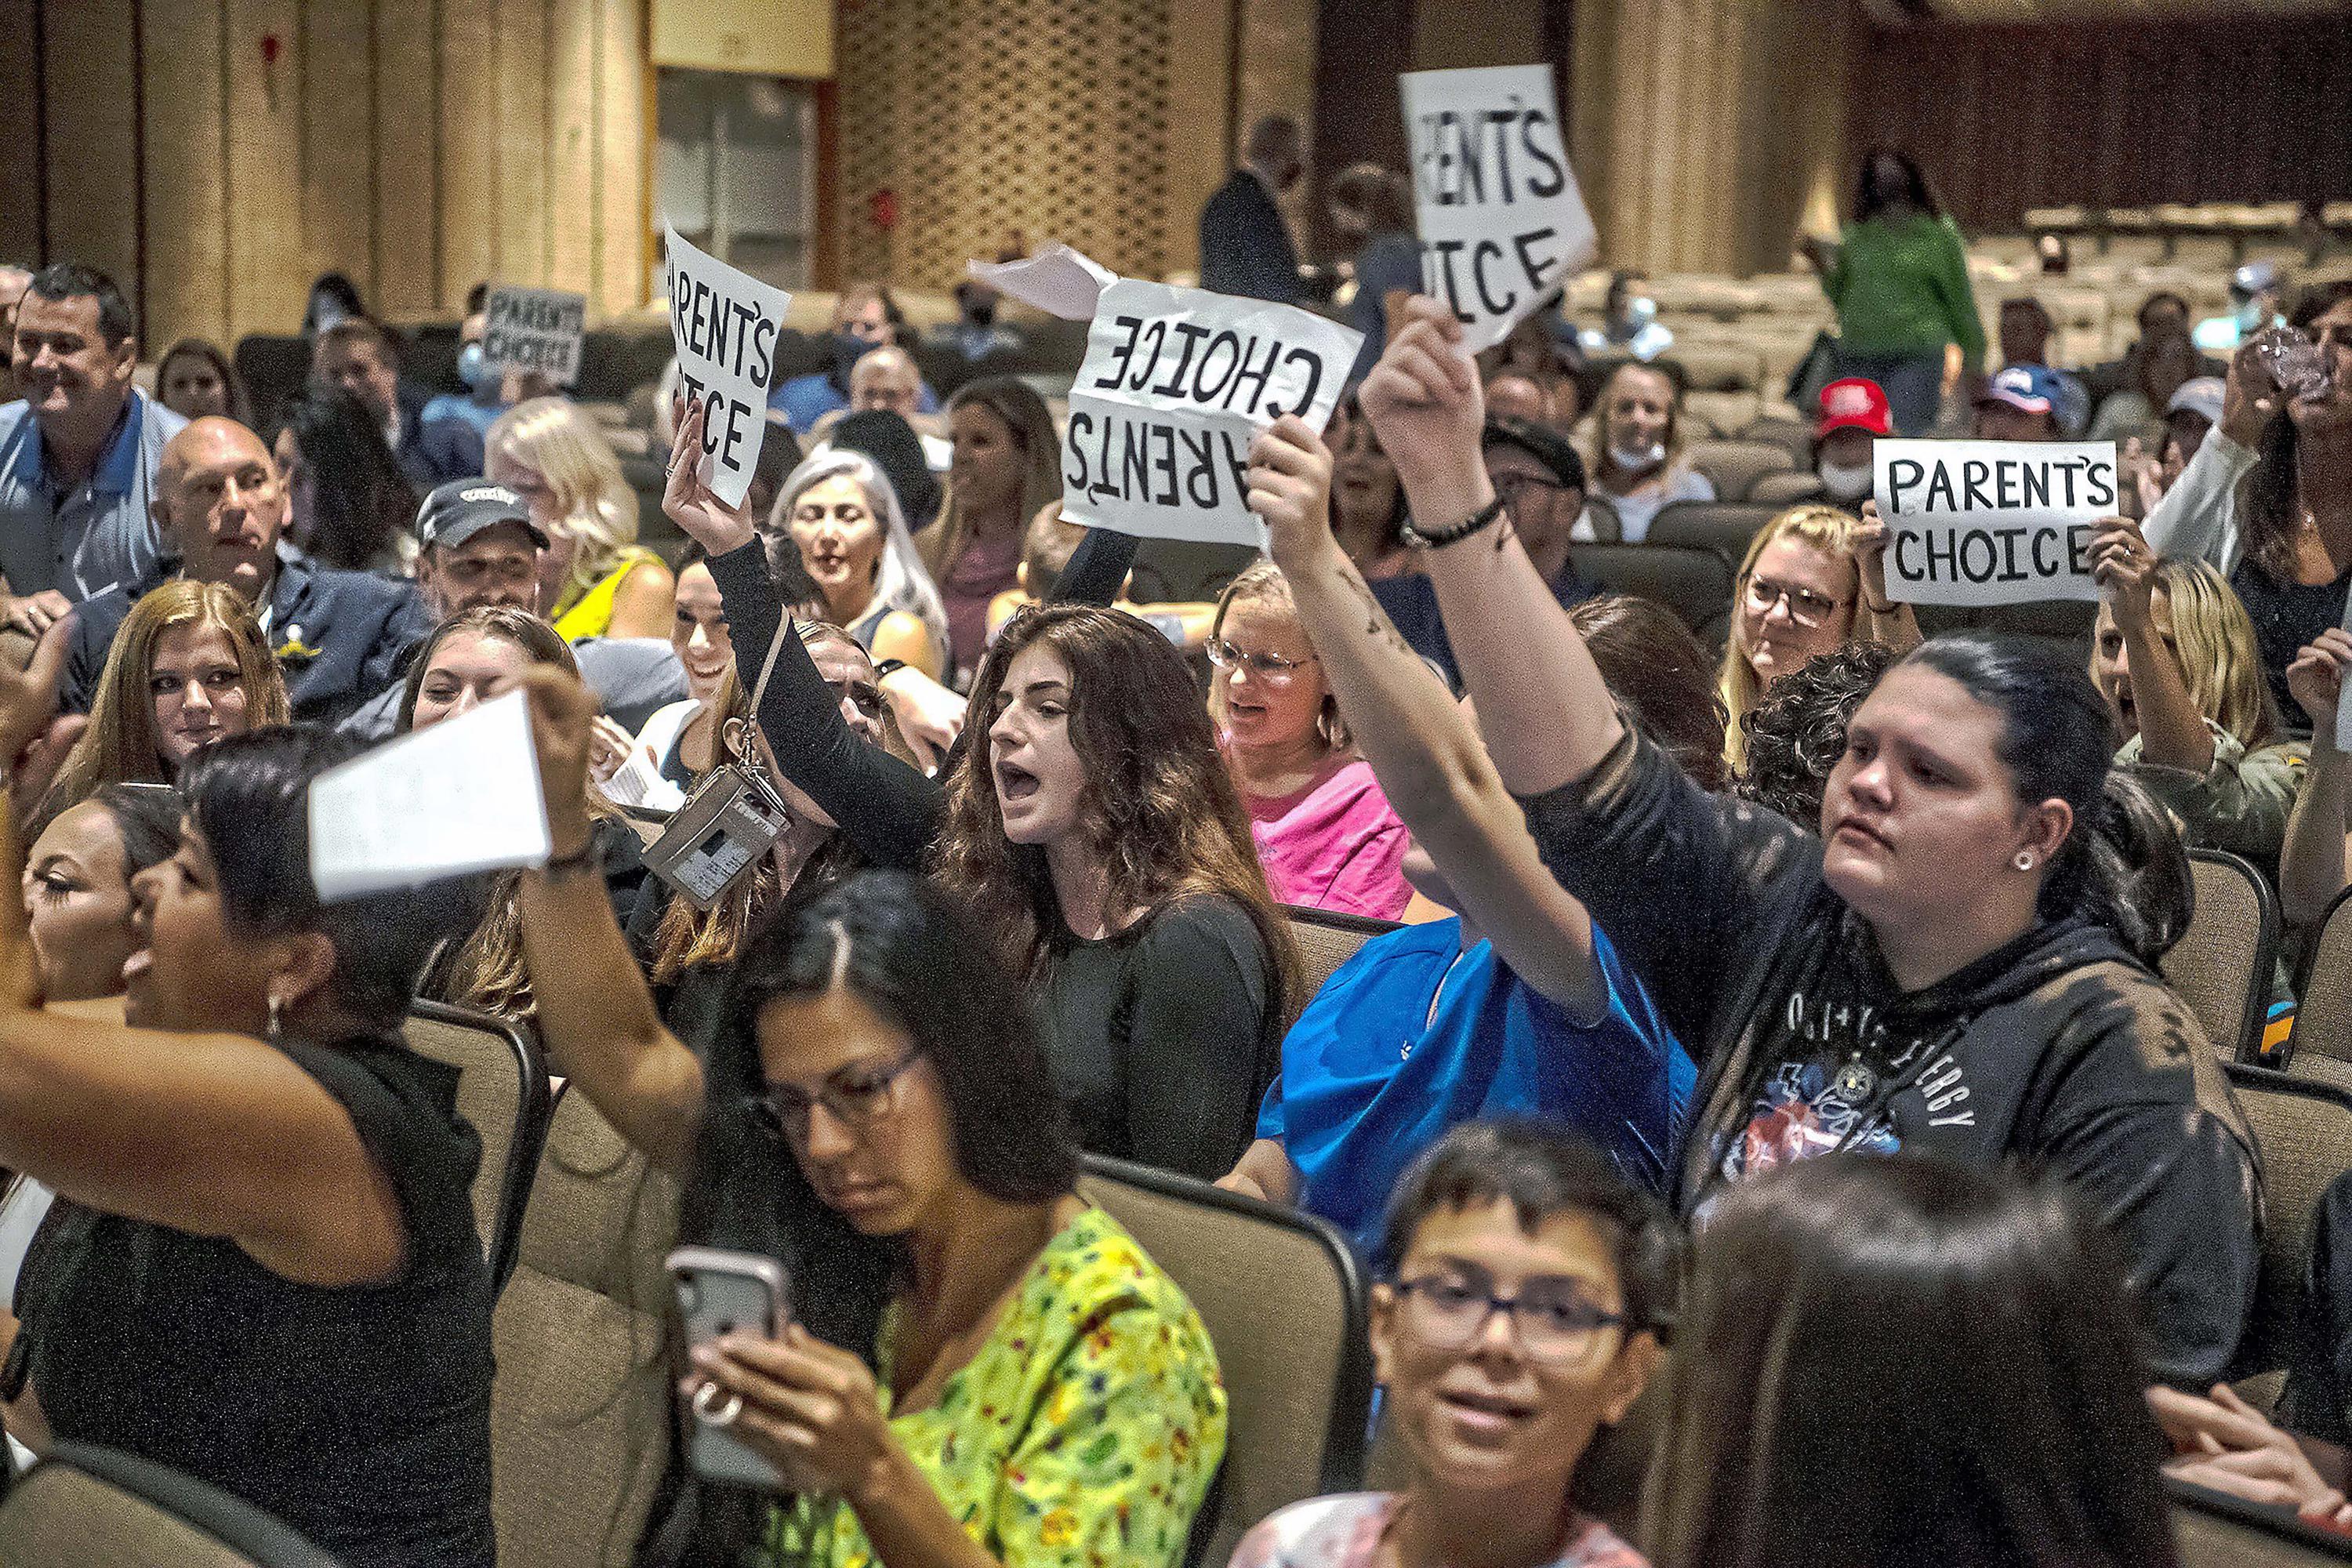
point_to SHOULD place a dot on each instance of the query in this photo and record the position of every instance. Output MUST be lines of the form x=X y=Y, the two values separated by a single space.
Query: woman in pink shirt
x=1325 y=833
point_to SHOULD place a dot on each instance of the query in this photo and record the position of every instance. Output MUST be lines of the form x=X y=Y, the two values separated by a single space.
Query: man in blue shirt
x=78 y=453
x=220 y=504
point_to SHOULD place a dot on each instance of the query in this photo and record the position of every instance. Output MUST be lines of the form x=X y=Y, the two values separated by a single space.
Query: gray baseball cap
x=461 y=509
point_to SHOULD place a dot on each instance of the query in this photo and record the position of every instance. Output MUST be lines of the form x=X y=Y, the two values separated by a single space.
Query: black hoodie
x=2059 y=1051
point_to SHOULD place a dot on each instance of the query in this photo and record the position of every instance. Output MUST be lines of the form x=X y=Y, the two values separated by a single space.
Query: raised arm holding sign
x=1502 y=226
x=724 y=324
x=1176 y=384
x=1992 y=523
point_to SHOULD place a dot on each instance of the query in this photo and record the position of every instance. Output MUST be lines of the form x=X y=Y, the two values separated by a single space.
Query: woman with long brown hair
x=1007 y=466
x=189 y=666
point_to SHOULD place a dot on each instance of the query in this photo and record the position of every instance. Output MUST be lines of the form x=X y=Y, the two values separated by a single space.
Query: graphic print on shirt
x=1829 y=1068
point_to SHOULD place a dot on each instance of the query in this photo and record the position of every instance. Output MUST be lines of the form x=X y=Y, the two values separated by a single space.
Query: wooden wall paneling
x=520 y=151
x=262 y=108
x=469 y=51
x=20 y=130
x=87 y=56
x=570 y=143
x=1199 y=113
x=338 y=143
x=406 y=229
x=183 y=186
x=619 y=197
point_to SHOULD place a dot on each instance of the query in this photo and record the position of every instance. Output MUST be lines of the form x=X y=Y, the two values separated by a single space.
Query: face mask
x=1638 y=459
x=2250 y=315
x=1641 y=309
x=325 y=315
x=1844 y=482
x=982 y=313
x=471 y=367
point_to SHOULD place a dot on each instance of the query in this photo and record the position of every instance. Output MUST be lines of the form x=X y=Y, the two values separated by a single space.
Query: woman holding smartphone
x=980 y=1368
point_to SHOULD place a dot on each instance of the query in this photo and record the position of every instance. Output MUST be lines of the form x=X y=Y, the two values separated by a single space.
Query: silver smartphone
x=720 y=1293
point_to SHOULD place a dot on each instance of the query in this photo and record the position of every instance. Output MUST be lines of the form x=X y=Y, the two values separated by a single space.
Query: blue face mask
x=471 y=368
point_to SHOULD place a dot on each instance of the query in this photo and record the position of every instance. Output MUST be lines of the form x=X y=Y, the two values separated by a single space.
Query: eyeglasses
x=1552 y=1322
x=1517 y=489
x=1806 y=608
x=1264 y=666
x=857 y=1096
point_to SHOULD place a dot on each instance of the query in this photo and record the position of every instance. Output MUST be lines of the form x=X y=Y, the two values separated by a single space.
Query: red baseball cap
x=1858 y=403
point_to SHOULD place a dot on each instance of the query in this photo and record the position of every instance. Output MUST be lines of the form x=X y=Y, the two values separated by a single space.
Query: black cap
x=1542 y=443
x=461 y=509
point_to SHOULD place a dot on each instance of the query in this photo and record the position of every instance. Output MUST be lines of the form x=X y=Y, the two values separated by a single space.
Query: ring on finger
x=717 y=1413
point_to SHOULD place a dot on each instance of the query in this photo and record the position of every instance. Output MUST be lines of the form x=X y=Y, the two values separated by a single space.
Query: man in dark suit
x=360 y=357
x=220 y=504
x=1246 y=246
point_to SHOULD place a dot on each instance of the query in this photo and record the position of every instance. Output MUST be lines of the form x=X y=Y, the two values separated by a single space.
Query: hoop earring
x=2025 y=860
x=276 y=1017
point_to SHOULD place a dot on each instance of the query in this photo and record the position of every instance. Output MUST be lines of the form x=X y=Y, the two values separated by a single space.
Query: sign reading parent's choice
x=1502 y=226
x=1992 y=523
x=724 y=324
x=1176 y=384
x=535 y=329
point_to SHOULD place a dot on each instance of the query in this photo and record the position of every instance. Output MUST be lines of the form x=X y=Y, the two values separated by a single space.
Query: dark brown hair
x=1159 y=810
x=2272 y=498
x=1658 y=671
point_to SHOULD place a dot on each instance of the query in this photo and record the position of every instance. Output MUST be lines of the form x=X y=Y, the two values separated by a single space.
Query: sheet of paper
x=461 y=796
x=1057 y=280
x=1992 y=523
x=1176 y=384
x=1503 y=225
x=536 y=330
x=639 y=782
x=724 y=324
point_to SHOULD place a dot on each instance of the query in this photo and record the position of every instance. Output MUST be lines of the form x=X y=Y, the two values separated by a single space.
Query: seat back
x=501 y=1089
x=1734 y=467
x=2323 y=1025
x=1693 y=583
x=1327 y=940
x=580 y=1428
x=2222 y=963
x=2215 y=1530
x=1786 y=488
x=1282 y=1299
x=2302 y=1131
x=86 y=1507
x=1726 y=527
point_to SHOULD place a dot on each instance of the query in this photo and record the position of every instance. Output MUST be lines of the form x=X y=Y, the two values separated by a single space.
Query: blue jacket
x=341 y=638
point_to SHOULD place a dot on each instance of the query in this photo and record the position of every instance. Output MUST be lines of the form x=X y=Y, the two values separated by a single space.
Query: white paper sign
x=535 y=329
x=1057 y=280
x=724 y=324
x=1176 y=384
x=2344 y=695
x=1992 y=523
x=461 y=796
x=1503 y=225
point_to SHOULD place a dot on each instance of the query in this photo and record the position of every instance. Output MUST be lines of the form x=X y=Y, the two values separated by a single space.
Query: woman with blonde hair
x=844 y=520
x=2175 y=658
x=1007 y=468
x=1636 y=461
x=595 y=580
x=1323 y=829
x=1812 y=579
x=189 y=666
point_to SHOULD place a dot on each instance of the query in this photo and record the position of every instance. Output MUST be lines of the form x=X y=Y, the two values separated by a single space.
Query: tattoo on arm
x=1377 y=625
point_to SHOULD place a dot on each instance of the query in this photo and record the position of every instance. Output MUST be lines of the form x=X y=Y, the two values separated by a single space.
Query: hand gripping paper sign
x=535 y=329
x=1992 y=523
x=1503 y=225
x=725 y=326
x=1176 y=384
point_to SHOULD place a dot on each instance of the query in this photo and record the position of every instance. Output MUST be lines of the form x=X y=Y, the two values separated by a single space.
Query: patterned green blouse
x=1083 y=1434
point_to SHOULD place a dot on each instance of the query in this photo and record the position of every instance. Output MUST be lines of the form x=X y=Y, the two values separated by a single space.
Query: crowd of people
x=1762 y=1080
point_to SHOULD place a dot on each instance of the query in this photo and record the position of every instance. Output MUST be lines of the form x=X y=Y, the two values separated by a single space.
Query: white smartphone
x=719 y=1292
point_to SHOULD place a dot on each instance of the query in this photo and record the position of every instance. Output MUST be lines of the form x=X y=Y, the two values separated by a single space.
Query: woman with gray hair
x=844 y=520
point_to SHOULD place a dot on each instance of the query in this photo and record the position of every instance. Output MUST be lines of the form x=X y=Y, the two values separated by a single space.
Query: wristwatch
x=1417 y=538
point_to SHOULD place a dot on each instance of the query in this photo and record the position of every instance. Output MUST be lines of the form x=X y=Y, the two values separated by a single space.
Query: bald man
x=219 y=506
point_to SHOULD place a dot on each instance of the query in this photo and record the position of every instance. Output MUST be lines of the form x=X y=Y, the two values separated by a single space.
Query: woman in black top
x=262 y=1268
x=1962 y=967
x=2295 y=511
x=1162 y=1031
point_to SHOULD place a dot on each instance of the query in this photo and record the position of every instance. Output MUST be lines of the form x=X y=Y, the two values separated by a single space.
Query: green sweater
x=1901 y=288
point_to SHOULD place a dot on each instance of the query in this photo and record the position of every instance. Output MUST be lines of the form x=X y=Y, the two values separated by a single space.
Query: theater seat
x=86 y=1507
x=1693 y=583
x=580 y=1420
x=2222 y=966
x=1734 y=467
x=2323 y=1026
x=502 y=1089
x=1282 y=1299
x=2304 y=1132
x=1328 y=939
x=1726 y=527
x=1788 y=488
x=2215 y=1530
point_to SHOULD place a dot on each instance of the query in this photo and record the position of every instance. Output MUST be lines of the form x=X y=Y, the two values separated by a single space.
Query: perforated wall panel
x=990 y=119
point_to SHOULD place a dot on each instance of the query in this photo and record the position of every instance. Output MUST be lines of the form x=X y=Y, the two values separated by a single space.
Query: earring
x=2024 y=861
x=277 y=1015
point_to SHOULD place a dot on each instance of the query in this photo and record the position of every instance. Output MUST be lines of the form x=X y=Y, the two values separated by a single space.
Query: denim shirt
x=100 y=533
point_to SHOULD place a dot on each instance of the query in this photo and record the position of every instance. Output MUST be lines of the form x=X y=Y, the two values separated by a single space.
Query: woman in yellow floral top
x=1025 y=1387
